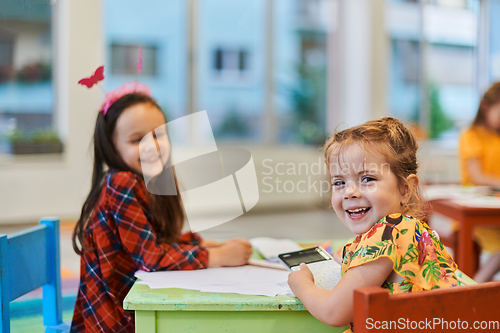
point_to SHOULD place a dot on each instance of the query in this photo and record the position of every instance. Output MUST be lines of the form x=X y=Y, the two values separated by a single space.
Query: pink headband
x=127 y=88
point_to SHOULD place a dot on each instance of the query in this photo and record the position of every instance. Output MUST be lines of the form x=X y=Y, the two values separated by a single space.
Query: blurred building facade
x=272 y=74
x=26 y=89
x=230 y=61
x=229 y=58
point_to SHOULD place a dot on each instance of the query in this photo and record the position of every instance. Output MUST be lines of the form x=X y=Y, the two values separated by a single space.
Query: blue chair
x=30 y=259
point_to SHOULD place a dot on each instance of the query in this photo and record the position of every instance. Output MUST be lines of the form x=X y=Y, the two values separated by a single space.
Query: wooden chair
x=30 y=259
x=467 y=305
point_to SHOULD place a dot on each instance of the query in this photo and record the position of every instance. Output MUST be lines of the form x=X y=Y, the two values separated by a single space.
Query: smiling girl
x=375 y=193
x=124 y=228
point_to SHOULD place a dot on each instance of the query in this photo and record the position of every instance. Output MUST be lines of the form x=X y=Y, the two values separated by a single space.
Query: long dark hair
x=490 y=98
x=167 y=214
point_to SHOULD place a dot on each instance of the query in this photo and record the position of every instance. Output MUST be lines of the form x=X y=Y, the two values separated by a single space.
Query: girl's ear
x=410 y=186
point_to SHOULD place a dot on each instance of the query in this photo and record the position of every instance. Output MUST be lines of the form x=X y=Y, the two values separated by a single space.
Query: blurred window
x=231 y=60
x=237 y=47
x=433 y=67
x=442 y=3
x=450 y=3
x=124 y=59
x=6 y=55
x=494 y=41
x=408 y=51
x=301 y=67
x=26 y=87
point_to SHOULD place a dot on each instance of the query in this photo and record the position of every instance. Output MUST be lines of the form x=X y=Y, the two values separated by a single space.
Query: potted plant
x=44 y=141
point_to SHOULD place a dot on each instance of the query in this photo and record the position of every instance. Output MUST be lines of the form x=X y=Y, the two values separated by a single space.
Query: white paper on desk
x=268 y=264
x=255 y=275
x=453 y=191
x=286 y=289
x=271 y=247
x=479 y=202
x=248 y=280
x=181 y=279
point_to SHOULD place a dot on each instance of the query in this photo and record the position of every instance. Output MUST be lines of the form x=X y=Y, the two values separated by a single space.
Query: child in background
x=124 y=228
x=479 y=152
x=375 y=194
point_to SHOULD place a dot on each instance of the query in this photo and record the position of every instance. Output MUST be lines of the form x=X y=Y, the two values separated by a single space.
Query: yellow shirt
x=483 y=144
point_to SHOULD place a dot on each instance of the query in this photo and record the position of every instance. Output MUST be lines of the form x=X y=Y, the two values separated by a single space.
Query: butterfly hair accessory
x=94 y=78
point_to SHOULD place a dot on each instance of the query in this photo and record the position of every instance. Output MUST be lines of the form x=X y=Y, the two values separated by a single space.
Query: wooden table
x=184 y=310
x=468 y=218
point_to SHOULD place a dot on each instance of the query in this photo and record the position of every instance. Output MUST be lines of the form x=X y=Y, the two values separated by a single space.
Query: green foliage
x=439 y=121
x=34 y=72
x=233 y=125
x=309 y=102
x=18 y=136
x=40 y=136
x=47 y=136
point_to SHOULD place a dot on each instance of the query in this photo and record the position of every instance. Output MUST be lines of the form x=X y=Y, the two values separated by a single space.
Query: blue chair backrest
x=30 y=259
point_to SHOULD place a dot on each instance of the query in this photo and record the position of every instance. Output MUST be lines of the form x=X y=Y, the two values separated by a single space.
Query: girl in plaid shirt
x=123 y=227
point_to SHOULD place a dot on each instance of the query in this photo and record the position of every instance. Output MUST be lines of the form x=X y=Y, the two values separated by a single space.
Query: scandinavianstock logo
x=216 y=185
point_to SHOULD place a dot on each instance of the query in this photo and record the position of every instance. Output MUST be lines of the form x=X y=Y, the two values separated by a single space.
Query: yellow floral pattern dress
x=418 y=255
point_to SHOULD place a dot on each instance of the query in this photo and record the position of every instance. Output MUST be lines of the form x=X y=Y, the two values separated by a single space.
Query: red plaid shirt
x=124 y=242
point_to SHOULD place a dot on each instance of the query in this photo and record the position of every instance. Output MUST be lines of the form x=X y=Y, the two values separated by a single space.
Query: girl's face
x=132 y=125
x=493 y=116
x=363 y=188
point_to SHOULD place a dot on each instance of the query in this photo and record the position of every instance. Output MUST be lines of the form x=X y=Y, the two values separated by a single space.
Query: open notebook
x=270 y=248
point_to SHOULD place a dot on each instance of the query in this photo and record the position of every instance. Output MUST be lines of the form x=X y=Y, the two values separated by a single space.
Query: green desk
x=183 y=310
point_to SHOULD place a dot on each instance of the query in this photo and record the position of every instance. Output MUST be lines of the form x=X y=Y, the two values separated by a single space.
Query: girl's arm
x=337 y=255
x=233 y=252
x=335 y=307
x=210 y=243
x=474 y=168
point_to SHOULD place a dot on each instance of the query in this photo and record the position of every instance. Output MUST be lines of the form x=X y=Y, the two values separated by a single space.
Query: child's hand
x=337 y=257
x=234 y=252
x=327 y=246
x=297 y=279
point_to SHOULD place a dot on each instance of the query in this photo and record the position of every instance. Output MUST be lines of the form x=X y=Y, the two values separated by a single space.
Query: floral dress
x=418 y=255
